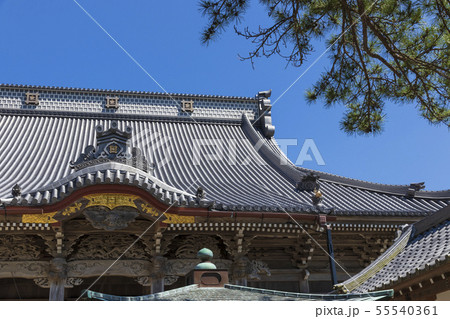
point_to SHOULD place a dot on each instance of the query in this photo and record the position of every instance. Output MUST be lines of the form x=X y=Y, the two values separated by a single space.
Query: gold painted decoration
x=177 y=219
x=148 y=209
x=72 y=209
x=45 y=218
x=111 y=200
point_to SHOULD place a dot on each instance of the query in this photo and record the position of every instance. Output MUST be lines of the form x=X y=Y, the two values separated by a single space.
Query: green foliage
x=383 y=50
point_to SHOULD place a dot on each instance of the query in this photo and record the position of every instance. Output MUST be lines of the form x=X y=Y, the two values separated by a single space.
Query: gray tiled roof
x=37 y=145
x=422 y=246
x=236 y=293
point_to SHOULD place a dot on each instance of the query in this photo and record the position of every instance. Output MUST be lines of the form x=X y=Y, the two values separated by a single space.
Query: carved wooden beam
x=94 y=268
x=24 y=269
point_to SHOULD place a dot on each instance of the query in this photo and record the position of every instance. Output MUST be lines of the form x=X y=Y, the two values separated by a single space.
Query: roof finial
x=265 y=116
x=16 y=190
x=317 y=198
x=205 y=255
x=309 y=182
x=413 y=188
x=265 y=94
x=201 y=194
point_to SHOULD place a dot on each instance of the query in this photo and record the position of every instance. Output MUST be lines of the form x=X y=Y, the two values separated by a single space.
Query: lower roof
x=237 y=293
x=423 y=246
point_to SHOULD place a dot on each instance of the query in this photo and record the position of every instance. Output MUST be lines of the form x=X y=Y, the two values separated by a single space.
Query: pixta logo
x=309 y=148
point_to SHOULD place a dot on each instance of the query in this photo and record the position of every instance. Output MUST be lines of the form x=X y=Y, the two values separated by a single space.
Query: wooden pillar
x=158 y=273
x=57 y=276
x=157 y=285
x=57 y=290
x=331 y=256
x=242 y=281
x=239 y=270
x=304 y=282
x=238 y=251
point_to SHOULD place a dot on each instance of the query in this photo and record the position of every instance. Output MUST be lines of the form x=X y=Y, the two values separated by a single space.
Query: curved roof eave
x=295 y=173
x=104 y=173
x=121 y=174
x=377 y=187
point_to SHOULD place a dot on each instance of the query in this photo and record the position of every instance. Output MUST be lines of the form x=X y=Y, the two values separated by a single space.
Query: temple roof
x=421 y=247
x=225 y=146
x=237 y=293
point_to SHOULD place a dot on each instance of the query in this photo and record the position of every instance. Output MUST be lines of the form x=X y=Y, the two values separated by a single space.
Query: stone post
x=57 y=276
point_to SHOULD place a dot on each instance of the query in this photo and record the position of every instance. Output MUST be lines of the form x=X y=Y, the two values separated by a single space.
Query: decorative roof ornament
x=309 y=182
x=200 y=194
x=187 y=106
x=112 y=102
x=16 y=190
x=265 y=113
x=317 y=198
x=113 y=145
x=31 y=98
x=205 y=255
x=103 y=218
x=413 y=188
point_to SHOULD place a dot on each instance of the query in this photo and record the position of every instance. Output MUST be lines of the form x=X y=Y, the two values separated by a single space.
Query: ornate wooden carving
x=43 y=282
x=104 y=209
x=70 y=282
x=108 y=246
x=237 y=245
x=16 y=247
x=191 y=244
x=127 y=268
x=144 y=281
x=256 y=268
x=165 y=242
x=50 y=242
x=302 y=252
x=68 y=243
x=112 y=200
x=24 y=269
x=170 y=280
x=103 y=218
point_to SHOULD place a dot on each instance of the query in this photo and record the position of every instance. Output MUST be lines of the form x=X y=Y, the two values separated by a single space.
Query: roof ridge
x=400 y=190
x=431 y=221
x=350 y=178
x=90 y=90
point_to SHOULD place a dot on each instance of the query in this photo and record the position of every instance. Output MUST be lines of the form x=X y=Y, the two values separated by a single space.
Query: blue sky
x=55 y=43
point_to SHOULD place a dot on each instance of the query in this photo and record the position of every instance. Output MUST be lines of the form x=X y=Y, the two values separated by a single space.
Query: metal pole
x=331 y=256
